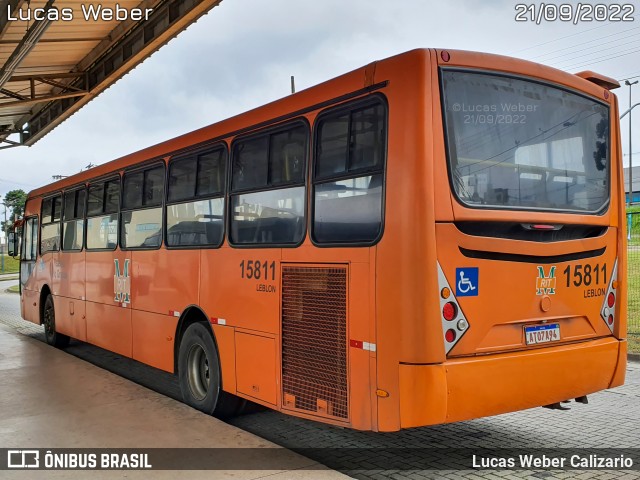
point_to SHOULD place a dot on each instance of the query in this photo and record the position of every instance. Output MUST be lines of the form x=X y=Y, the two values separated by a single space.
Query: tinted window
x=73 y=227
x=275 y=164
x=74 y=204
x=96 y=200
x=349 y=174
x=211 y=170
x=273 y=216
x=351 y=142
x=104 y=198
x=287 y=156
x=132 y=190
x=332 y=151
x=195 y=223
x=250 y=163
x=143 y=189
x=182 y=179
x=69 y=205
x=30 y=239
x=142 y=228
x=47 y=209
x=519 y=144
x=153 y=186
x=112 y=196
x=102 y=232
x=198 y=175
x=50 y=228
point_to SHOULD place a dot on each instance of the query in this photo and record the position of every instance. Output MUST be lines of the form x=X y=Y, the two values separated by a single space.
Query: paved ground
x=611 y=420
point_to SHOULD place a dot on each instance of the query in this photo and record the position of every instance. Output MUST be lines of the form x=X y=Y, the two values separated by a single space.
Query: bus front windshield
x=520 y=144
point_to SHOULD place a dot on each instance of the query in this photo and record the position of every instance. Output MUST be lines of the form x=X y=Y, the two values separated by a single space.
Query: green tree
x=15 y=200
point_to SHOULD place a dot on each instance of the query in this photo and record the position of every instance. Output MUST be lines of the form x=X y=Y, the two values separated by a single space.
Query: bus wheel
x=54 y=338
x=199 y=373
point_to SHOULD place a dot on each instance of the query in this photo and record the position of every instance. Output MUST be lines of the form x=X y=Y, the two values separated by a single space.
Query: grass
x=14 y=289
x=11 y=265
x=633 y=292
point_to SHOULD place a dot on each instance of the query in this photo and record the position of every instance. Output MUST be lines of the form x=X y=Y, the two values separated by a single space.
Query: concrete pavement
x=50 y=399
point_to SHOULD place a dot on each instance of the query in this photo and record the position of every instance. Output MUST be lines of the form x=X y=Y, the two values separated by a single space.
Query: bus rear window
x=520 y=144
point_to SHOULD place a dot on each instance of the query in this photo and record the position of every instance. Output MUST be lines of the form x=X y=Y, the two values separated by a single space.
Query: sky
x=242 y=53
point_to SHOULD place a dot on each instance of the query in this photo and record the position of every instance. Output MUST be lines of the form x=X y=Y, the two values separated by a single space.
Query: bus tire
x=199 y=374
x=53 y=337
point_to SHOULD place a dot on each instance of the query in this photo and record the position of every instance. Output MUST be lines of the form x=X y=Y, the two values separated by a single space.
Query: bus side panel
x=69 y=285
x=242 y=287
x=225 y=341
x=153 y=338
x=405 y=266
x=109 y=327
x=360 y=328
x=164 y=281
x=70 y=317
x=108 y=300
x=30 y=297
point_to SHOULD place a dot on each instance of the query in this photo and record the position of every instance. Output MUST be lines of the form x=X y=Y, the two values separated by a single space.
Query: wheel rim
x=198 y=372
x=49 y=321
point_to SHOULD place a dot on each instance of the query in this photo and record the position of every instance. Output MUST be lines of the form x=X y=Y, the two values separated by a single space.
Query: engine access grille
x=314 y=339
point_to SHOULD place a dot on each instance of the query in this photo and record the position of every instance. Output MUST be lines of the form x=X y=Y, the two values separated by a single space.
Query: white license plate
x=542 y=333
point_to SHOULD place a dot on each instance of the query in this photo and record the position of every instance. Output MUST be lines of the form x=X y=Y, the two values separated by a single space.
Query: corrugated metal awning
x=56 y=56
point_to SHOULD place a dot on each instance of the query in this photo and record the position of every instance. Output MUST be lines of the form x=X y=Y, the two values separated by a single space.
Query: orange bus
x=434 y=237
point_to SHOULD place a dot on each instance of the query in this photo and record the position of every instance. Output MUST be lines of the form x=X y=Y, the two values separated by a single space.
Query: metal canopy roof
x=52 y=67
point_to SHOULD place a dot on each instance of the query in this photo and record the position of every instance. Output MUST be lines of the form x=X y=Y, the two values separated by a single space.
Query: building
x=635 y=178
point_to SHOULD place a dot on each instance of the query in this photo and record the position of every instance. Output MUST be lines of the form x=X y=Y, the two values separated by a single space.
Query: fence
x=633 y=250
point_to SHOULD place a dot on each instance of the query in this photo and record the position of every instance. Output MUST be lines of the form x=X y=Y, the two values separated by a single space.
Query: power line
x=629 y=78
x=591 y=50
x=561 y=38
x=584 y=43
x=600 y=60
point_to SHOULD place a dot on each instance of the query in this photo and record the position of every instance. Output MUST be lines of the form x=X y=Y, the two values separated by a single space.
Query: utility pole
x=4 y=229
x=627 y=82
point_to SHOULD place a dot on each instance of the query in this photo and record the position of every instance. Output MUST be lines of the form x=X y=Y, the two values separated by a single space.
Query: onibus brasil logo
x=546 y=284
x=122 y=282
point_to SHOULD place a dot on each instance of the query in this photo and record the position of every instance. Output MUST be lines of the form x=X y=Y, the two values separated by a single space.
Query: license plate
x=542 y=333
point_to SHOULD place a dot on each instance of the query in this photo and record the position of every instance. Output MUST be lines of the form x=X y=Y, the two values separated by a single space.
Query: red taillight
x=449 y=311
x=450 y=336
x=607 y=312
x=445 y=55
x=543 y=227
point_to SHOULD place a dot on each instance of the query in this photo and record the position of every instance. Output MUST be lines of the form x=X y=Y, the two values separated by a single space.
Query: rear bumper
x=466 y=388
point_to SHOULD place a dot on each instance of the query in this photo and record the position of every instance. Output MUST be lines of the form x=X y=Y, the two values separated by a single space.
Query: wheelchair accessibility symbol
x=467 y=282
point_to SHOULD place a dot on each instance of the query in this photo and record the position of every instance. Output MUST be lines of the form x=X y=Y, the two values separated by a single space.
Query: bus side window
x=199 y=177
x=102 y=215
x=268 y=187
x=348 y=176
x=141 y=216
x=73 y=220
x=30 y=239
x=51 y=215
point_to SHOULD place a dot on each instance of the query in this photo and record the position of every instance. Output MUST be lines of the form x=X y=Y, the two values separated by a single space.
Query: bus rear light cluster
x=454 y=323
x=608 y=312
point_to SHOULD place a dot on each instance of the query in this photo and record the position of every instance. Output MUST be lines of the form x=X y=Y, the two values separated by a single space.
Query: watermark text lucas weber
x=586 y=461
x=87 y=12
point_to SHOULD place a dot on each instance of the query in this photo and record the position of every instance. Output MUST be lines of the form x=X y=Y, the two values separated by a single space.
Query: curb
x=633 y=357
